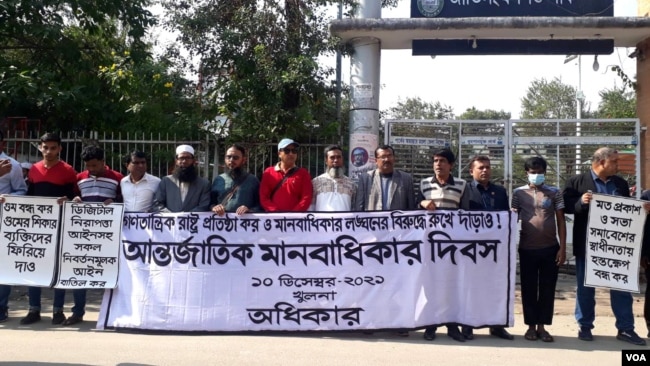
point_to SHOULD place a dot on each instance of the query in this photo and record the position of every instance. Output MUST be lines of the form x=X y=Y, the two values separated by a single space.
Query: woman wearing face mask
x=541 y=212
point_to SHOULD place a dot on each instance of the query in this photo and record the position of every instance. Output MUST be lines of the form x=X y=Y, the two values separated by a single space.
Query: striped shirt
x=447 y=195
x=99 y=189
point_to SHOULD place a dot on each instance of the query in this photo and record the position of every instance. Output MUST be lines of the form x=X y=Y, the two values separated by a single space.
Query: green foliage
x=52 y=51
x=627 y=81
x=487 y=114
x=258 y=62
x=416 y=108
x=150 y=96
x=617 y=103
x=549 y=100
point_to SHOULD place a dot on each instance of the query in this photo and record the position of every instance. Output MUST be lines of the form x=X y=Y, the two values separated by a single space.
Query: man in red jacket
x=285 y=186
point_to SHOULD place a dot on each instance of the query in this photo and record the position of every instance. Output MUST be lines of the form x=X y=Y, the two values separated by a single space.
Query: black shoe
x=630 y=336
x=501 y=332
x=32 y=317
x=584 y=334
x=58 y=318
x=467 y=332
x=430 y=333
x=454 y=333
x=74 y=319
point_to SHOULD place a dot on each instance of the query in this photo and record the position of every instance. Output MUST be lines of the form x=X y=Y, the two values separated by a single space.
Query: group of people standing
x=540 y=208
x=289 y=187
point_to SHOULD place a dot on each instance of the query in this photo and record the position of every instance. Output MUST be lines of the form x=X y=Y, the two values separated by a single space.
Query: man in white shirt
x=333 y=191
x=139 y=187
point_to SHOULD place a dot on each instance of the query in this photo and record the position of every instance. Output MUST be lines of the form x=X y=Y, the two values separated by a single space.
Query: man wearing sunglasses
x=286 y=186
x=235 y=190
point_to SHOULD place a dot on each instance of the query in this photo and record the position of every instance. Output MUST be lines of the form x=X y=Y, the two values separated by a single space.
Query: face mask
x=536 y=179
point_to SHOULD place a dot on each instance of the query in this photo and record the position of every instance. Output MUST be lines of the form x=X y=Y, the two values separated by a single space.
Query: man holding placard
x=578 y=193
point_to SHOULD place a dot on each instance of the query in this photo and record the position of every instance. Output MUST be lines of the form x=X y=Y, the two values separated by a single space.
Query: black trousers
x=538 y=273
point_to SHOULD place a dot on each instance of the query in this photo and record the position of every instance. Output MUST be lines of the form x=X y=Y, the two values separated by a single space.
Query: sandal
x=545 y=336
x=531 y=335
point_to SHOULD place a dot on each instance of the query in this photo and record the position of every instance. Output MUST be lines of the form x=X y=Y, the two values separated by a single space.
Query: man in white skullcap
x=183 y=190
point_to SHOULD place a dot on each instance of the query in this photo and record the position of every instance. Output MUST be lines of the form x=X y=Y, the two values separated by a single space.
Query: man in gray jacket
x=385 y=188
x=183 y=190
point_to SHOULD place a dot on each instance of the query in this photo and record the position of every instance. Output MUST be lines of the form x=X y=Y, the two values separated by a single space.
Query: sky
x=490 y=82
x=484 y=82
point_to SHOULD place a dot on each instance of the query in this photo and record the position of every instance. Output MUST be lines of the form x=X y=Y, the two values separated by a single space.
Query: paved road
x=44 y=344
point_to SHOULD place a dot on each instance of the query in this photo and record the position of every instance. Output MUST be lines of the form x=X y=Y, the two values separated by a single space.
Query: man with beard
x=333 y=191
x=285 y=186
x=235 y=190
x=184 y=190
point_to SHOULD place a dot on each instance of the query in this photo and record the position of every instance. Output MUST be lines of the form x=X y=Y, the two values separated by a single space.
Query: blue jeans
x=35 y=299
x=586 y=303
x=5 y=290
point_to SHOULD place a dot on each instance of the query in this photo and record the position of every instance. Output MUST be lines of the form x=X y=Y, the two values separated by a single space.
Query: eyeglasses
x=233 y=157
x=183 y=158
x=288 y=150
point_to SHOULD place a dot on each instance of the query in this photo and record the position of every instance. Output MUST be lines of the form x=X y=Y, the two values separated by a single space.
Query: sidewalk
x=83 y=345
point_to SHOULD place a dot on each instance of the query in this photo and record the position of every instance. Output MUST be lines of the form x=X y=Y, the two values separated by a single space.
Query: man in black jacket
x=577 y=195
x=485 y=196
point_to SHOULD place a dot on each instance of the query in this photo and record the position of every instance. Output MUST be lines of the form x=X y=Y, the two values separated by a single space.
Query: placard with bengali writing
x=90 y=245
x=29 y=233
x=313 y=271
x=614 y=237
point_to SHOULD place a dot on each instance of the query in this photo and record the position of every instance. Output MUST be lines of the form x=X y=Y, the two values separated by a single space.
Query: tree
x=549 y=100
x=52 y=52
x=257 y=62
x=487 y=114
x=416 y=108
x=617 y=103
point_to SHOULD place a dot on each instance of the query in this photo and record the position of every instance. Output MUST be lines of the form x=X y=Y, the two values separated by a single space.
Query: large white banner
x=314 y=271
x=90 y=247
x=614 y=238
x=29 y=232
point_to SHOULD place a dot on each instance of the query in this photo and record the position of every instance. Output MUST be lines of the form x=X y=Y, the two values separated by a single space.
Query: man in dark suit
x=184 y=190
x=577 y=195
x=385 y=188
x=485 y=196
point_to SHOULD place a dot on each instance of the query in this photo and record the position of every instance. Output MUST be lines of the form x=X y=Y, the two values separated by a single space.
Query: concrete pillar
x=643 y=98
x=364 y=96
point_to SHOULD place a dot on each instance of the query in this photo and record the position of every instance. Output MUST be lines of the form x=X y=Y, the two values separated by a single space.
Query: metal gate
x=567 y=146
